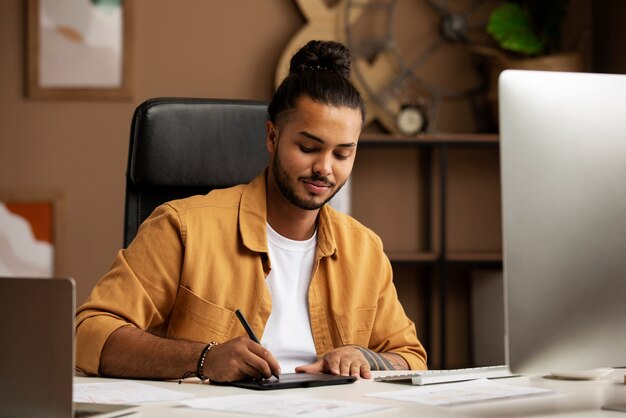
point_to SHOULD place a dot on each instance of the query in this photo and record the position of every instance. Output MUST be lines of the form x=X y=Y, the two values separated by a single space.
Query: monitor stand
x=619 y=407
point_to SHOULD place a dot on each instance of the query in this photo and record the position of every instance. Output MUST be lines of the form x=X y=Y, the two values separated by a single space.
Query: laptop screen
x=37 y=323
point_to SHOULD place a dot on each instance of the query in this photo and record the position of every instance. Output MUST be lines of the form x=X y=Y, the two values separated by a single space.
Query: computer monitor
x=563 y=167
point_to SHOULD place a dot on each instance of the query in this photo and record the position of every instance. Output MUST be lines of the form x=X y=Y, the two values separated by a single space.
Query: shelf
x=433 y=200
x=472 y=256
x=455 y=257
x=413 y=257
x=428 y=139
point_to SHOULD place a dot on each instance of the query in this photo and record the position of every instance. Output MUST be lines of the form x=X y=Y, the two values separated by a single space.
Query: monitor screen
x=563 y=167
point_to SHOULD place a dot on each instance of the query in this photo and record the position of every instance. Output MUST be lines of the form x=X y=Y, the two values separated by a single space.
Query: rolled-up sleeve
x=138 y=291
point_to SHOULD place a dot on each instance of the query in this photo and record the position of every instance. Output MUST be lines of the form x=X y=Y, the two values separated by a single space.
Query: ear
x=271 y=135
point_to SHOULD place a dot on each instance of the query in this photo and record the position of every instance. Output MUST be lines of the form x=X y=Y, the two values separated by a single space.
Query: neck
x=287 y=219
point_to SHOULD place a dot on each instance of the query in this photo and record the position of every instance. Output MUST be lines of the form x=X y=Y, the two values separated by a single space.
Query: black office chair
x=180 y=147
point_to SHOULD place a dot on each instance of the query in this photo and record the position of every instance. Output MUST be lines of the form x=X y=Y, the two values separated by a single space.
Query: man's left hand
x=345 y=361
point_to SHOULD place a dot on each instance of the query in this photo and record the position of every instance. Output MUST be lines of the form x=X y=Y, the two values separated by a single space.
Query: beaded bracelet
x=199 y=370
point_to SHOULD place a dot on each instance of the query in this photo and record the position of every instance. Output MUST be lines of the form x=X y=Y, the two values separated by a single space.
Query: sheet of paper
x=282 y=406
x=461 y=393
x=124 y=392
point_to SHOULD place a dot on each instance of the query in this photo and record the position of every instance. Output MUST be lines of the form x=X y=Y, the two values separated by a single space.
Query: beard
x=289 y=190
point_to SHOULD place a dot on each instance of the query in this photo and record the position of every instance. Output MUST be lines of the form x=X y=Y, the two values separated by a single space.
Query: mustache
x=319 y=179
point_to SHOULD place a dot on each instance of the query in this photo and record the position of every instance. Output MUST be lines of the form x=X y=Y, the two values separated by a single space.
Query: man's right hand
x=240 y=358
x=136 y=354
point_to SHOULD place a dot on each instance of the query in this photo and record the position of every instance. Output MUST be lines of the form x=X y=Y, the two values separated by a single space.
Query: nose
x=322 y=166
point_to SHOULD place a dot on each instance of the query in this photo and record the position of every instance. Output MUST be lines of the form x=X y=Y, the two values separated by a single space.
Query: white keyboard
x=428 y=377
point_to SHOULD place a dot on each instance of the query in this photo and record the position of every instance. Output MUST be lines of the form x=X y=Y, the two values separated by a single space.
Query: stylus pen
x=248 y=329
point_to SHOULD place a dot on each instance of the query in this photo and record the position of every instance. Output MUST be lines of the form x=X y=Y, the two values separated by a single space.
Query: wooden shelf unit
x=428 y=139
x=434 y=200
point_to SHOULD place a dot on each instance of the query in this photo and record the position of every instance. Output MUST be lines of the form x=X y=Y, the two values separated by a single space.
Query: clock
x=417 y=49
x=411 y=119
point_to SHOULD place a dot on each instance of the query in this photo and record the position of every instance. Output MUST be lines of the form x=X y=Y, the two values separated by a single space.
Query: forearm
x=383 y=361
x=132 y=353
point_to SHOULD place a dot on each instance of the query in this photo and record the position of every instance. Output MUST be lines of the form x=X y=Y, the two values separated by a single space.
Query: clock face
x=417 y=50
x=410 y=120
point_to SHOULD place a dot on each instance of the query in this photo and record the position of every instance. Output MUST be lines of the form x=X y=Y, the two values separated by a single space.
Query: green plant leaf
x=512 y=28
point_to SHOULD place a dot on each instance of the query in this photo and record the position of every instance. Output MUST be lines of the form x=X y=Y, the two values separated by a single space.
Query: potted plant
x=528 y=36
x=528 y=27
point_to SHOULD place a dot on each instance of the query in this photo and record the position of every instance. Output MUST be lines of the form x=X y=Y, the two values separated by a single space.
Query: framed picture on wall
x=78 y=49
x=30 y=230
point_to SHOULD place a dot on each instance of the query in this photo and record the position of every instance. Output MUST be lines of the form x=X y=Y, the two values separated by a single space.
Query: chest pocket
x=196 y=319
x=356 y=327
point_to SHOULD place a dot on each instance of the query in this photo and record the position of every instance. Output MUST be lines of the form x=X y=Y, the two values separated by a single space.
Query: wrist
x=200 y=366
x=202 y=361
x=376 y=361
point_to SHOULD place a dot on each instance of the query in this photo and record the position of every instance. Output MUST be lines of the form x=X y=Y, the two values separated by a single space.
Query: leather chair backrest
x=181 y=147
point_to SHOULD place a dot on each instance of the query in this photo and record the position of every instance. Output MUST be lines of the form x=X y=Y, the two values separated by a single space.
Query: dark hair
x=320 y=70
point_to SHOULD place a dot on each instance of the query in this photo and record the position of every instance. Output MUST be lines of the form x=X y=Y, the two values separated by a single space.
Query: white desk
x=571 y=399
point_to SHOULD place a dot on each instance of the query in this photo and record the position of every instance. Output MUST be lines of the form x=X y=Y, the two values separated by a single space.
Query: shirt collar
x=253 y=217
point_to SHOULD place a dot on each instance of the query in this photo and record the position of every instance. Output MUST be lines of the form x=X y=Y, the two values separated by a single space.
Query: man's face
x=313 y=152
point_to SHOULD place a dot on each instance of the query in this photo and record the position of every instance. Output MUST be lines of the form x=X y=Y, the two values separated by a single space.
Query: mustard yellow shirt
x=197 y=260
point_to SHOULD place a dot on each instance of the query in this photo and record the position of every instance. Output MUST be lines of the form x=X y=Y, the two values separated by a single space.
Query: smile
x=316 y=187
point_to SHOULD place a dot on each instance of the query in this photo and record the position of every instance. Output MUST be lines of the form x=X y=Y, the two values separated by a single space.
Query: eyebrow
x=321 y=141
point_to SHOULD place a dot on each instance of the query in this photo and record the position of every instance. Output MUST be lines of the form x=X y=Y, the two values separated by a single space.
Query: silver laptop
x=563 y=162
x=37 y=351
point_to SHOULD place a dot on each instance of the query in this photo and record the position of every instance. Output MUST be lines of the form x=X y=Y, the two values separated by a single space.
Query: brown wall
x=207 y=48
x=77 y=149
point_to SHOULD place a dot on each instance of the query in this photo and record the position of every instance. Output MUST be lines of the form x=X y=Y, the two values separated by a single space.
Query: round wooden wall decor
x=405 y=51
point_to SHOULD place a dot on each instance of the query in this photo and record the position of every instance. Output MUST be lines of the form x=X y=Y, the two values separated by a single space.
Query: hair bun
x=322 y=56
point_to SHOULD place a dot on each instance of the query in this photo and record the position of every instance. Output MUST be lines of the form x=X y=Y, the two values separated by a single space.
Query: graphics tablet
x=293 y=380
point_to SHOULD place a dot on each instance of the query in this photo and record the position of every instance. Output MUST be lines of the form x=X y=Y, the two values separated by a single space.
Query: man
x=314 y=283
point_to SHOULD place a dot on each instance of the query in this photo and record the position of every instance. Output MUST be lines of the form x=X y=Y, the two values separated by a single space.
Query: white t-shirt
x=288 y=330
